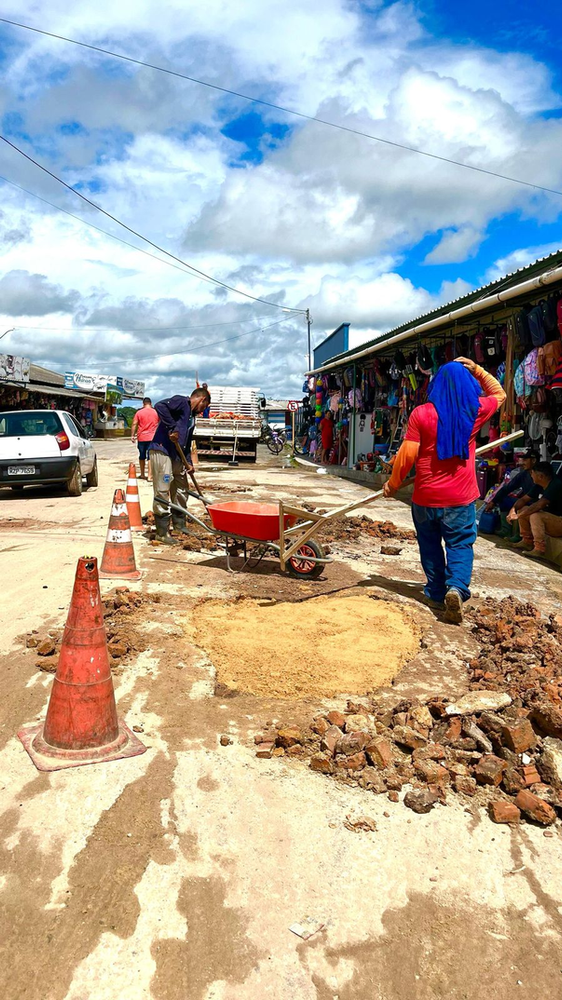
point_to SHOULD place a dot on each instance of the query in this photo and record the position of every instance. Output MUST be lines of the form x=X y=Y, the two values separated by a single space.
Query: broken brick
x=465 y=784
x=393 y=796
x=408 y=737
x=352 y=743
x=512 y=781
x=489 y=770
x=502 y=811
x=519 y=735
x=454 y=730
x=265 y=751
x=46 y=647
x=353 y=763
x=432 y=772
x=535 y=808
x=422 y=716
x=433 y=751
x=548 y=720
x=289 y=737
x=320 y=725
x=322 y=763
x=336 y=719
x=421 y=801
x=530 y=775
x=330 y=739
x=372 y=778
x=380 y=752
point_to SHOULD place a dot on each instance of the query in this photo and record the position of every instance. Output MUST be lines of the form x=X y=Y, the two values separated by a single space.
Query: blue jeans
x=456 y=527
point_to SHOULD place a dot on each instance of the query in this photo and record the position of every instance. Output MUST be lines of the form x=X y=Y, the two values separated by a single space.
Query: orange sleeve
x=405 y=458
x=490 y=385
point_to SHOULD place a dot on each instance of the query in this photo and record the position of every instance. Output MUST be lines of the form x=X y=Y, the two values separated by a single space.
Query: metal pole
x=309 y=323
x=293 y=430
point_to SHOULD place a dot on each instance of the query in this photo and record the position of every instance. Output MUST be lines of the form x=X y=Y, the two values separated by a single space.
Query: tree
x=127 y=413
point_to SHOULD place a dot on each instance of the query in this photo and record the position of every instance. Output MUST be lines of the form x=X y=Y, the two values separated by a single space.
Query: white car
x=45 y=446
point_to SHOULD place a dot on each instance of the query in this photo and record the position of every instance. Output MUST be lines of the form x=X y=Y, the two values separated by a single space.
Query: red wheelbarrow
x=280 y=529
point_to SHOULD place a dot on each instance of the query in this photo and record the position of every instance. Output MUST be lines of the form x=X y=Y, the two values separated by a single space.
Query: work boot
x=179 y=525
x=162 y=531
x=453 y=606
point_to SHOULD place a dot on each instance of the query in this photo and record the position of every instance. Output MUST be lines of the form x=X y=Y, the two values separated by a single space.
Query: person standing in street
x=143 y=428
x=441 y=441
x=169 y=477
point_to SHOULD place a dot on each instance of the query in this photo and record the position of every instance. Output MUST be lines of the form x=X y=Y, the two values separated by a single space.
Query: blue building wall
x=335 y=343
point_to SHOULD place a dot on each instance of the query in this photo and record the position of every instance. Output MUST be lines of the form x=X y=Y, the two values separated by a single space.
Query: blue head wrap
x=455 y=394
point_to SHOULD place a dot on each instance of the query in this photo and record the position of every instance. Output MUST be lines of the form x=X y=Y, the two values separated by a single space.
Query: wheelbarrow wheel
x=301 y=565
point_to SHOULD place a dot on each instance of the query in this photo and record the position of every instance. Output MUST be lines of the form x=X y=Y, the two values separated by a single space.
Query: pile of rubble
x=520 y=652
x=119 y=608
x=483 y=747
x=350 y=529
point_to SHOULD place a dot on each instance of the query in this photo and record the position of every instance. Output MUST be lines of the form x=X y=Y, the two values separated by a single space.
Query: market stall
x=512 y=328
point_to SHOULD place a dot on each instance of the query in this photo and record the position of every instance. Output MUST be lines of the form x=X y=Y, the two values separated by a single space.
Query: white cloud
x=455 y=246
x=520 y=258
x=324 y=220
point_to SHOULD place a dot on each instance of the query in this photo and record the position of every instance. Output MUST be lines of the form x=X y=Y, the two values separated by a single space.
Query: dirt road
x=176 y=875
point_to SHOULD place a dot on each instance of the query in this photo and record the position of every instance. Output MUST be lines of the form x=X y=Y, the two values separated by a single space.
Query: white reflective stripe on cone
x=115 y=535
x=119 y=509
x=131 y=498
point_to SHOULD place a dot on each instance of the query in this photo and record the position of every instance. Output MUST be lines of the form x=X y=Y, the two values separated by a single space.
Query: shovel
x=198 y=495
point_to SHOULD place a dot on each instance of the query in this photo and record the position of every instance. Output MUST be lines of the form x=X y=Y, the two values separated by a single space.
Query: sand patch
x=322 y=647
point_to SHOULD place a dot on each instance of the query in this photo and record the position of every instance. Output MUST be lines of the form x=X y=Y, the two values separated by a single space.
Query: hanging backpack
x=549 y=356
x=531 y=370
x=479 y=348
x=491 y=345
x=536 y=326
x=549 y=318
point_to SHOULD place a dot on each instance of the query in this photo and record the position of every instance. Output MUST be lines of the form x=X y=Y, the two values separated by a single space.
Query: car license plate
x=21 y=470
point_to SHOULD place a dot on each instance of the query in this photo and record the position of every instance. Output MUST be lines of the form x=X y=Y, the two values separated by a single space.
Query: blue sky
x=291 y=211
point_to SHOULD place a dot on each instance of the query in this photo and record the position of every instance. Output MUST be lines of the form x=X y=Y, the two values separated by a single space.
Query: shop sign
x=86 y=382
x=131 y=388
x=14 y=368
x=113 y=395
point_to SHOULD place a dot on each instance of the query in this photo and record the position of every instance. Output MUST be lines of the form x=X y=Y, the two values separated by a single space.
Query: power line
x=207 y=277
x=195 y=347
x=279 y=107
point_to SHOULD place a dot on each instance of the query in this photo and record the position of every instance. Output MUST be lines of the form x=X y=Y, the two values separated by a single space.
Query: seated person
x=539 y=512
x=518 y=485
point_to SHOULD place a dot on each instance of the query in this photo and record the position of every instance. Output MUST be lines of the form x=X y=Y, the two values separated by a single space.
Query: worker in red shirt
x=441 y=441
x=143 y=429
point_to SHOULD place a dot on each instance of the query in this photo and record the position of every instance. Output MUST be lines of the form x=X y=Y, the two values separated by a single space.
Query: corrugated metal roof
x=513 y=278
x=45 y=375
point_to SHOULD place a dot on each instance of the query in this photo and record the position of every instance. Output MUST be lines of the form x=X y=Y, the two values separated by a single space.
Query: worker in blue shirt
x=519 y=484
x=169 y=477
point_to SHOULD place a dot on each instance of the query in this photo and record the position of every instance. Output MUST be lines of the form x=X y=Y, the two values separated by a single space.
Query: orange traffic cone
x=81 y=726
x=133 y=500
x=118 y=560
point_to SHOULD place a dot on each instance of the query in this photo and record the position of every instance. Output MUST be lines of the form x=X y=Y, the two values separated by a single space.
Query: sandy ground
x=176 y=875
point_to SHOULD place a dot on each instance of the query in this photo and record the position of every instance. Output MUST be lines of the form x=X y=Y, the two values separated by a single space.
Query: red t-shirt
x=147 y=422
x=327 y=431
x=450 y=482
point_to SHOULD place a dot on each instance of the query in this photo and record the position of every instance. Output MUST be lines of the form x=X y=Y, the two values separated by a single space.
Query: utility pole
x=309 y=324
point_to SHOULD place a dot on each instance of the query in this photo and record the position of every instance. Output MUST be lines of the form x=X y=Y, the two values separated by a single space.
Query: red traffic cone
x=118 y=560
x=133 y=500
x=81 y=726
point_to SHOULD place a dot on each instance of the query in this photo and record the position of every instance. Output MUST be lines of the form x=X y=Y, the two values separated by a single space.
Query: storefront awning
x=50 y=390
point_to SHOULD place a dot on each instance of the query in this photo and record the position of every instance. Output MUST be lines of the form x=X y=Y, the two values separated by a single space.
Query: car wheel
x=92 y=477
x=74 y=484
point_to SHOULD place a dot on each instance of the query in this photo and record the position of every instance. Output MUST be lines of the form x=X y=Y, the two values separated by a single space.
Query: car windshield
x=32 y=424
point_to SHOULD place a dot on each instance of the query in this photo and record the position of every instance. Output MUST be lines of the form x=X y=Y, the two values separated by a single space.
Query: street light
x=11 y=330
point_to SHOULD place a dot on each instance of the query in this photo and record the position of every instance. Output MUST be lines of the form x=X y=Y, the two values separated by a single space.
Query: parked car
x=45 y=446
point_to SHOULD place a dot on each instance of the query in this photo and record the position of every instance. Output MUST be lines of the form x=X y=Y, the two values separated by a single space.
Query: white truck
x=233 y=427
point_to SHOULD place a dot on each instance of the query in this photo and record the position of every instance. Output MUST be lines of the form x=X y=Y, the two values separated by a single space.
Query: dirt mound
x=350 y=529
x=324 y=646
